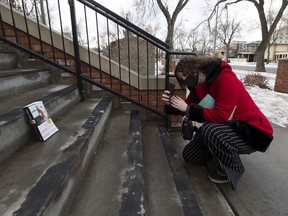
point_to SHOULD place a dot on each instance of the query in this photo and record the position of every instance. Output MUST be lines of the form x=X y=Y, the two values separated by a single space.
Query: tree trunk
x=268 y=54
x=43 y=15
x=260 y=63
x=170 y=33
x=227 y=52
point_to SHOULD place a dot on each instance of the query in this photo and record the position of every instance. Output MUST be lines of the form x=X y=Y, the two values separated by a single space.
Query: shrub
x=255 y=79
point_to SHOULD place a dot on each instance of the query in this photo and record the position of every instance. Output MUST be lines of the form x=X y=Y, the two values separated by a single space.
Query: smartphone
x=171 y=88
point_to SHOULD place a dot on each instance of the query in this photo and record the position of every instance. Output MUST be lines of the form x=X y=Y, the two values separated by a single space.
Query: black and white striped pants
x=222 y=142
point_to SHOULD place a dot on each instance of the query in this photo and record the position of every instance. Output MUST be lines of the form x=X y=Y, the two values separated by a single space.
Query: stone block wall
x=136 y=52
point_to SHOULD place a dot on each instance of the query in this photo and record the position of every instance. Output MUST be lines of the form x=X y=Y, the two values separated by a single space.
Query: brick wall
x=281 y=82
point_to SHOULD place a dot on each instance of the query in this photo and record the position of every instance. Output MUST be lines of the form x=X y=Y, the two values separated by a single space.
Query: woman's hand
x=178 y=103
x=166 y=97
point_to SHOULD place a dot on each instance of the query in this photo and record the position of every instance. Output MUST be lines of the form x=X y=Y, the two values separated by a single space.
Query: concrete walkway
x=262 y=190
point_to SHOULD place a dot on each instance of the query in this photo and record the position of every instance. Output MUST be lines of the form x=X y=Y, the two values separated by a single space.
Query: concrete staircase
x=104 y=160
x=130 y=173
x=40 y=178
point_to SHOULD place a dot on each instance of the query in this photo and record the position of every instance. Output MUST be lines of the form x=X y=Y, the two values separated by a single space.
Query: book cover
x=40 y=120
x=208 y=101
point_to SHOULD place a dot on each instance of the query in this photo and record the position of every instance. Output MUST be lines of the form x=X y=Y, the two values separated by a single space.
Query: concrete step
x=43 y=177
x=15 y=129
x=184 y=185
x=209 y=196
x=120 y=182
x=114 y=184
x=161 y=196
x=17 y=81
x=8 y=60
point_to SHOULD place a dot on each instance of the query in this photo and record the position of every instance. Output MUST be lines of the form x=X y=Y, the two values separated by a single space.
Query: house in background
x=246 y=51
x=280 y=48
x=239 y=47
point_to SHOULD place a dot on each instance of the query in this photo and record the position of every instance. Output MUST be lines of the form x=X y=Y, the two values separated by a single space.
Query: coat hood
x=216 y=70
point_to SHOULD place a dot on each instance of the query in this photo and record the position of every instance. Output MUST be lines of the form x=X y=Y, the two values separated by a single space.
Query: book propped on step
x=40 y=120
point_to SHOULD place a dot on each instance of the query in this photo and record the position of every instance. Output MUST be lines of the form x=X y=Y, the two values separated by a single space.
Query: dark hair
x=194 y=64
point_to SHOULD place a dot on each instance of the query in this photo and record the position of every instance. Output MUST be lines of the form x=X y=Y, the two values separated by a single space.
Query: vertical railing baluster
x=119 y=58
x=76 y=48
x=38 y=25
x=147 y=65
x=2 y=25
x=167 y=65
x=26 y=25
x=62 y=33
x=138 y=67
x=13 y=20
x=99 y=48
x=50 y=30
x=88 y=44
x=129 y=62
x=109 y=51
x=157 y=77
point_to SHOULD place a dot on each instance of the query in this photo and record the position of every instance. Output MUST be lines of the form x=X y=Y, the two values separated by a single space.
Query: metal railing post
x=167 y=70
x=76 y=49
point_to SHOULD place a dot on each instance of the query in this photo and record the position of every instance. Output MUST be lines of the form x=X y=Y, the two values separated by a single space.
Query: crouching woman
x=233 y=126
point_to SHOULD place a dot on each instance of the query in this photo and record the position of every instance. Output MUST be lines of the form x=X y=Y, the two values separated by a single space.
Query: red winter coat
x=228 y=92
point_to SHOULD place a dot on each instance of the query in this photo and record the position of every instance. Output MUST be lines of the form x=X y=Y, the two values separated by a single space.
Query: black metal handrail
x=123 y=53
x=123 y=22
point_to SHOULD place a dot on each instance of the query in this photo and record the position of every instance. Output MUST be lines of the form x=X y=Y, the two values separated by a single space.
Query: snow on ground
x=273 y=104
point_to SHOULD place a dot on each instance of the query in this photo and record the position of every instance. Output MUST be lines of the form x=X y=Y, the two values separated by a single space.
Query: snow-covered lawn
x=273 y=104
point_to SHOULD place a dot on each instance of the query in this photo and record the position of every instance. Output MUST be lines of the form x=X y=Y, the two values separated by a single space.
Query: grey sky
x=193 y=14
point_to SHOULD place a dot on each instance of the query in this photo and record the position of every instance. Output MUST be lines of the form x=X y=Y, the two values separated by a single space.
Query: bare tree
x=266 y=31
x=151 y=26
x=206 y=42
x=30 y=8
x=149 y=6
x=228 y=29
x=193 y=40
x=180 y=37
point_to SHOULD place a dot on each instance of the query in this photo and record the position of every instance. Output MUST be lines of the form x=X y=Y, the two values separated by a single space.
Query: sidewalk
x=262 y=190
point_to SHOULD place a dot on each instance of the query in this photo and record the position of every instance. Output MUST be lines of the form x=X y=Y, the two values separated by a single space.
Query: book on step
x=40 y=120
